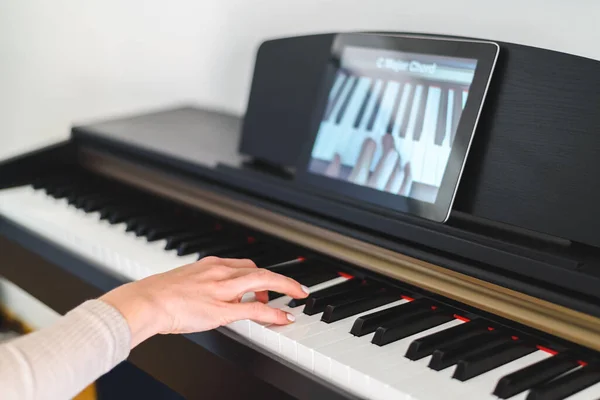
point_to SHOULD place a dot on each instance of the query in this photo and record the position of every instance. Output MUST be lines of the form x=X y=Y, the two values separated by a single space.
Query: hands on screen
x=389 y=173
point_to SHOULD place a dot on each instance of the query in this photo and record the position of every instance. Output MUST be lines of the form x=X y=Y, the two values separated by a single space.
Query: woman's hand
x=201 y=296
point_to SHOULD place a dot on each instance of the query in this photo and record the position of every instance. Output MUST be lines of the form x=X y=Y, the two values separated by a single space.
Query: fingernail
x=306 y=290
x=291 y=318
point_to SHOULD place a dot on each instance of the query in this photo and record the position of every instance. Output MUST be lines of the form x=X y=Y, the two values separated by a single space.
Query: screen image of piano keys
x=393 y=135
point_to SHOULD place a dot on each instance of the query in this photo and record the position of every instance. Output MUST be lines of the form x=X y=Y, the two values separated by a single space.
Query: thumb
x=259 y=312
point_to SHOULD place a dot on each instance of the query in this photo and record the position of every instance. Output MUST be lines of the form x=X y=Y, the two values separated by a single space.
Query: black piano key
x=173 y=242
x=144 y=225
x=395 y=109
x=409 y=105
x=256 y=249
x=73 y=194
x=450 y=355
x=440 y=129
x=369 y=323
x=344 y=308
x=218 y=249
x=346 y=101
x=274 y=258
x=132 y=223
x=535 y=374
x=95 y=203
x=143 y=228
x=202 y=243
x=319 y=301
x=306 y=273
x=315 y=278
x=38 y=183
x=376 y=107
x=59 y=191
x=424 y=346
x=421 y=114
x=105 y=212
x=400 y=329
x=343 y=287
x=363 y=107
x=117 y=211
x=336 y=98
x=159 y=231
x=491 y=358
x=566 y=385
x=274 y=295
x=122 y=215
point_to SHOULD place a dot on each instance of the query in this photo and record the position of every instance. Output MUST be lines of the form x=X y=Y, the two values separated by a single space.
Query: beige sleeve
x=61 y=360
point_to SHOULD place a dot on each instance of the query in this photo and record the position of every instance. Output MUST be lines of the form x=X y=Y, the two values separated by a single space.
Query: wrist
x=136 y=308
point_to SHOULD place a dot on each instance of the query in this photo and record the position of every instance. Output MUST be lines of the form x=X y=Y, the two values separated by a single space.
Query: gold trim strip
x=548 y=317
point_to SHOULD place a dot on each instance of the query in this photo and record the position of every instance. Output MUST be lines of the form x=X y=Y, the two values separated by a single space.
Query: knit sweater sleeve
x=61 y=360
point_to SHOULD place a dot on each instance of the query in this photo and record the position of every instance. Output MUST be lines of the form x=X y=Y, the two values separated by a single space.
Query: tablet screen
x=394 y=120
x=390 y=120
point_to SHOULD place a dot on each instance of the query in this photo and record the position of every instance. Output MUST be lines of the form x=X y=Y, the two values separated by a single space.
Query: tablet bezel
x=486 y=54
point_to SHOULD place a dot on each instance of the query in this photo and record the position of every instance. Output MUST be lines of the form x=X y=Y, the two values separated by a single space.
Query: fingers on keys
x=260 y=280
x=360 y=172
x=333 y=169
x=259 y=312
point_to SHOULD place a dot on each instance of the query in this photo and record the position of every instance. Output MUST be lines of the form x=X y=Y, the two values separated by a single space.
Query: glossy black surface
x=424 y=346
x=567 y=384
x=535 y=374
x=491 y=358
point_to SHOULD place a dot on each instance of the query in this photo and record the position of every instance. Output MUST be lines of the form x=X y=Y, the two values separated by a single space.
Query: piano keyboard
x=421 y=118
x=375 y=338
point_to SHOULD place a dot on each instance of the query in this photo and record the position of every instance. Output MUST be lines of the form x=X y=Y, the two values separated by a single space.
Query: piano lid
x=186 y=134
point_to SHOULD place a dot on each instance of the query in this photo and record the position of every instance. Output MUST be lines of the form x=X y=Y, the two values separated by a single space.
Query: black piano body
x=520 y=246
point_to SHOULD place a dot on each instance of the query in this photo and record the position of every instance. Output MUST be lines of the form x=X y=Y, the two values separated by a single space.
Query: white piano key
x=402 y=112
x=355 y=143
x=405 y=189
x=326 y=334
x=337 y=84
x=360 y=172
x=382 y=362
x=520 y=396
x=384 y=170
x=395 y=182
x=427 y=149
x=405 y=145
x=106 y=245
x=339 y=129
x=345 y=129
x=275 y=336
x=383 y=118
x=326 y=140
x=479 y=387
x=329 y=350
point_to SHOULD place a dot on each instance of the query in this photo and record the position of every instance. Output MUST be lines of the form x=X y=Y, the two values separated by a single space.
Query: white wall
x=70 y=60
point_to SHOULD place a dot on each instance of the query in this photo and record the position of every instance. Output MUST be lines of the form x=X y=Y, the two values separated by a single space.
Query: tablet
x=394 y=121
